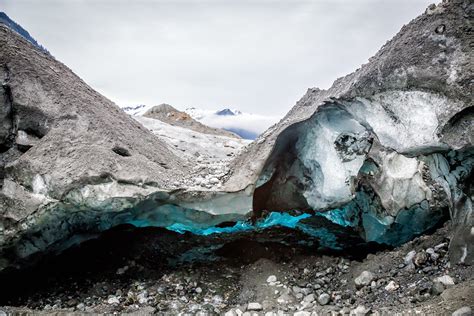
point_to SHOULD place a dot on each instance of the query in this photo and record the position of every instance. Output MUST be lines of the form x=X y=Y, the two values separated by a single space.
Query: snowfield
x=209 y=154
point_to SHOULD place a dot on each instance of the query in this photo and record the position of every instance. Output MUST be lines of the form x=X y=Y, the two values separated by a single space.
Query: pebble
x=420 y=259
x=433 y=255
x=198 y=290
x=113 y=300
x=324 y=299
x=309 y=298
x=365 y=278
x=409 y=257
x=437 y=288
x=463 y=311
x=254 y=306
x=271 y=279
x=446 y=280
x=301 y=313
x=441 y=246
x=142 y=298
x=121 y=271
x=391 y=286
x=360 y=311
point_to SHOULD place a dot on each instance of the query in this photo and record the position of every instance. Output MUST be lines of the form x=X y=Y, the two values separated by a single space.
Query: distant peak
x=228 y=112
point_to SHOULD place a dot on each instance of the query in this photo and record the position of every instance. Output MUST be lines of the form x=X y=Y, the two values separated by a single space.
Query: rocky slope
x=386 y=151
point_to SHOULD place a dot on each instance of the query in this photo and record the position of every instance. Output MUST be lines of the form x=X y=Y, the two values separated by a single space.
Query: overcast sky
x=256 y=56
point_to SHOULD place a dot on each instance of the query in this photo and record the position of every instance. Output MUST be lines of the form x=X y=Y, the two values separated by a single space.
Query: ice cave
x=362 y=193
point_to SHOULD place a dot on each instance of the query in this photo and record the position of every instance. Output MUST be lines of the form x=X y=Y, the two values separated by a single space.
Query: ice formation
x=386 y=151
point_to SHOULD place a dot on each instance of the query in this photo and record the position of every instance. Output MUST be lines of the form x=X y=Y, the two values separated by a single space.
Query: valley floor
x=150 y=270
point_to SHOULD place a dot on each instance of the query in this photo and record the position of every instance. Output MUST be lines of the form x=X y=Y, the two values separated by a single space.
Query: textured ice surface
x=273 y=219
x=403 y=120
x=331 y=168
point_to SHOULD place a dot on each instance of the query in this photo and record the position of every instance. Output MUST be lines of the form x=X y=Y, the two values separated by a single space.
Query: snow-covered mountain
x=246 y=125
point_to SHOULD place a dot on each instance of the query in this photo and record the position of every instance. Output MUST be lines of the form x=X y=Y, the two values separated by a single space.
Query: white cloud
x=258 y=56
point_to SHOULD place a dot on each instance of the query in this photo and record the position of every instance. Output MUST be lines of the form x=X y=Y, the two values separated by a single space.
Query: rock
x=309 y=298
x=302 y=313
x=420 y=258
x=463 y=311
x=198 y=290
x=446 y=280
x=230 y=313
x=271 y=279
x=285 y=298
x=391 y=286
x=409 y=257
x=122 y=270
x=81 y=307
x=437 y=288
x=432 y=253
x=359 y=311
x=2 y=313
x=441 y=246
x=217 y=299
x=254 y=306
x=113 y=300
x=364 y=279
x=324 y=299
x=142 y=297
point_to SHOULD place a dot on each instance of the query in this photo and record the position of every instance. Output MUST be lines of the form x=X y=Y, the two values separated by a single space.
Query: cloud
x=258 y=56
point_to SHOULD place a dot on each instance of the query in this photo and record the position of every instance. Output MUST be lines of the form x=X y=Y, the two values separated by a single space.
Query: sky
x=256 y=56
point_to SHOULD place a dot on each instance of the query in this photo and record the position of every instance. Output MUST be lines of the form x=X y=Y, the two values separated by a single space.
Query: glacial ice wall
x=377 y=164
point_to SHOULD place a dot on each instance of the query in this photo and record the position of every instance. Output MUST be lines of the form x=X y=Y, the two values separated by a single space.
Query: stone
x=463 y=311
x=230 y=313
x=437 y=288
x=302 y=313
x=254 y=306
x=324 y=299
x=142 y=297
x=122 y=270
x=271 y=279
x=391 y=286
x=446 y=280
x=359 y=311
x=409 y=257
x=113 y=300
x=420 y=259
x=198 y=290
x=364 y=279
x=309 y=298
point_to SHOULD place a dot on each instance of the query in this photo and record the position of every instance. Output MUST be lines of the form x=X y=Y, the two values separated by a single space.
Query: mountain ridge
x=6 y=20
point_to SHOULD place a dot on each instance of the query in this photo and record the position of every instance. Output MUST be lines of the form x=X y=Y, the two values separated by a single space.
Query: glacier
x=387 y=151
